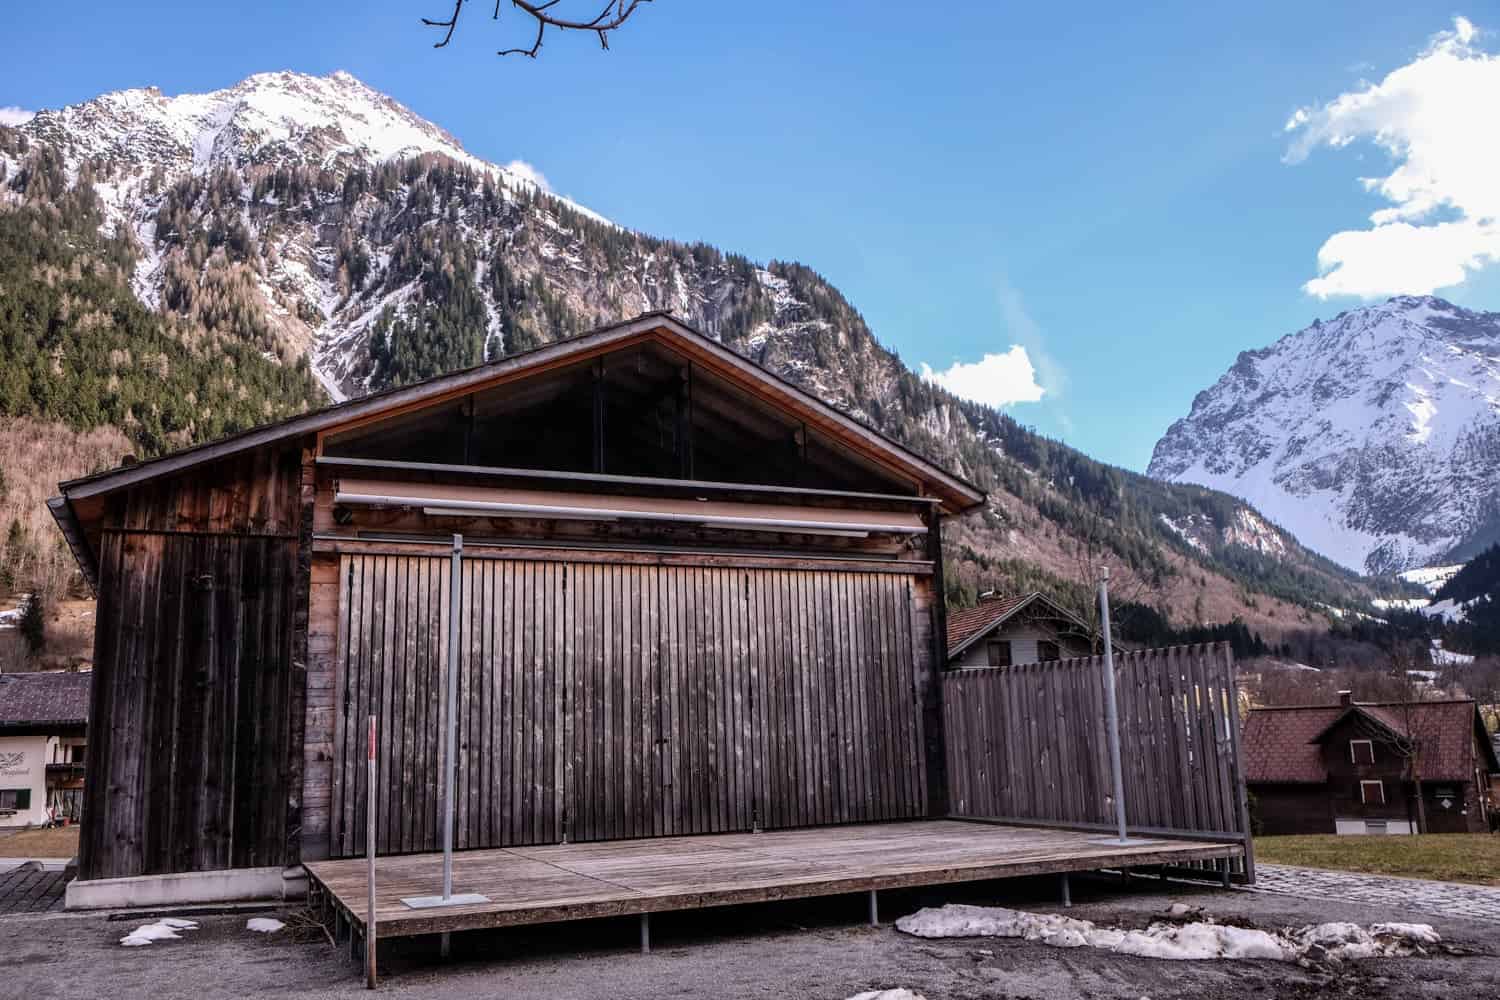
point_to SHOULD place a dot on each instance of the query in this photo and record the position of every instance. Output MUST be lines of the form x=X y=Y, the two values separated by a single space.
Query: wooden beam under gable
x=899 y=462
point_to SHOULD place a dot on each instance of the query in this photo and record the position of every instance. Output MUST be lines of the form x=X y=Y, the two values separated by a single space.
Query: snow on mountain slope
x=263 y=118
x=1431 y=577
x=139 y=143
x=267 y=119
x=1374 y=437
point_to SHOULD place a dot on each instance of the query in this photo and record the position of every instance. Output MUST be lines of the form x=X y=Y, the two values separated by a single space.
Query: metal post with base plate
x=1112 y=720
x=450 y=754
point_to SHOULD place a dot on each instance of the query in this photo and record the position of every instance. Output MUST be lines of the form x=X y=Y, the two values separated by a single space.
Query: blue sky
x=1108 y=187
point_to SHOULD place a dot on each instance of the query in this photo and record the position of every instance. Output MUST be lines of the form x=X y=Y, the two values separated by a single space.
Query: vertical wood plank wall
x=189 y=728
x=1029 y=742
x=603 y=700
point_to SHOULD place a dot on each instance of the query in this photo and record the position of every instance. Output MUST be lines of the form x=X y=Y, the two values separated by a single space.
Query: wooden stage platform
x=554 y=882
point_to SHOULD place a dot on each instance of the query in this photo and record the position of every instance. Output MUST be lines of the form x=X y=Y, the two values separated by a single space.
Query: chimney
x=1346 y=698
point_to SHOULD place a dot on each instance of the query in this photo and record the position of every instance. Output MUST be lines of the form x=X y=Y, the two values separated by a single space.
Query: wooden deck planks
x=543 y=883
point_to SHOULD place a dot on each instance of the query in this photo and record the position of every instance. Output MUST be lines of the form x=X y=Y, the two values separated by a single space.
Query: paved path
x=23 y=891
x=1445 y=899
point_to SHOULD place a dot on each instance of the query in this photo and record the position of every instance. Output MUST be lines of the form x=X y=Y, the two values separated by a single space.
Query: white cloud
x=12 y=115
x=529 y=173
x=996 y=379
x=1435 y=118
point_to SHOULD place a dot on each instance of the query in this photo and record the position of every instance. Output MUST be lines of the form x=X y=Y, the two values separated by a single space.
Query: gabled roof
x=1279 y=743
x=1285 y=744
x=969 y=625
x=956 y=494
x=50 y=698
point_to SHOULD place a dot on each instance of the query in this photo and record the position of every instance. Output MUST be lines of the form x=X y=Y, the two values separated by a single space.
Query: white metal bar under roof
x=488 y=502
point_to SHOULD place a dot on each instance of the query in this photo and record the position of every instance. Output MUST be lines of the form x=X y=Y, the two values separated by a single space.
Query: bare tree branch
x=613 y=16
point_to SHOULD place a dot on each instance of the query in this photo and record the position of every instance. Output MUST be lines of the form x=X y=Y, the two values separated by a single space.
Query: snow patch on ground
x=11 y=617
x=1200 y=940
x=1400 y=603
x=1431 y=577
x=1183 y=533
x=164 y=929
x=1294 y=665
x=1447 y=658
x=897 y=994
x=264 y=925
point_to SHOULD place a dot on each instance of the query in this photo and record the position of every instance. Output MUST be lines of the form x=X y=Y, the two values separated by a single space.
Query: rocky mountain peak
x=1374 y=436
x=274 y=118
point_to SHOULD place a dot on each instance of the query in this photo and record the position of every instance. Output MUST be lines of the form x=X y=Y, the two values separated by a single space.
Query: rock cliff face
x=1373 y=437
x=329 y=225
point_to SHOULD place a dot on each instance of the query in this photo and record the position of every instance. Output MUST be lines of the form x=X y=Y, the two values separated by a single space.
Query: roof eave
x=72 y=531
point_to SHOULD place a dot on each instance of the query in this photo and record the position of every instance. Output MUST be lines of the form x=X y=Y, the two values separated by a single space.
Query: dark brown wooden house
x=683 y=579
x=1353 y=767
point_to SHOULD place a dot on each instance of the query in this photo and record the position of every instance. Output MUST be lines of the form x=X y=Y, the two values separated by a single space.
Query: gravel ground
x=811 y=949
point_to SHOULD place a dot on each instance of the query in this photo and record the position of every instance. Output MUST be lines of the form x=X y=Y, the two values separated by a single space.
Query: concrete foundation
x=236 y=885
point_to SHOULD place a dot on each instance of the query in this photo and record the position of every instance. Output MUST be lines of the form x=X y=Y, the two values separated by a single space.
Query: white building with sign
x=43 y=724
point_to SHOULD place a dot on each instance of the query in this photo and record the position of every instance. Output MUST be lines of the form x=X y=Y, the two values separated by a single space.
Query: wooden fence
x=1028 y=743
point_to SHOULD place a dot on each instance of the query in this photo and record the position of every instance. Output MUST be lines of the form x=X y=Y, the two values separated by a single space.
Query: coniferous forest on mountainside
x=454 y=270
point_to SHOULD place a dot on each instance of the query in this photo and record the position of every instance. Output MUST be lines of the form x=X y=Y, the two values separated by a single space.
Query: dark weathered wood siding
x=605 y=700
x=198 y=646
x=1277 y=810
x=1029 y=742
x=190 y=728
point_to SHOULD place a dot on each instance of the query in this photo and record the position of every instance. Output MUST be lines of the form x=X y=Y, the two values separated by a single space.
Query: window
x=15 y=798
x=1361 y=752
x=999 y=653
x=1376 y=826
x=76 y=752
x=1372 y=793
x=1046 y=651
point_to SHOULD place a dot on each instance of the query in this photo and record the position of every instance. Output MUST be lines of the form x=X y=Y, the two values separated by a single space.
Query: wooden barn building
x=690 y=599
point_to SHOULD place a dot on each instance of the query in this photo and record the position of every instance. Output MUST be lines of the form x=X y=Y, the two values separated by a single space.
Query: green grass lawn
x=1451 y=857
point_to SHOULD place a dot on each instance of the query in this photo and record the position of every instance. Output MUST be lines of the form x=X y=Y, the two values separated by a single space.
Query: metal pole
x=1111 y=710
x=645 y=933
x=370 y=860
x=874 y=909
x=455 y=585
x=450 y=749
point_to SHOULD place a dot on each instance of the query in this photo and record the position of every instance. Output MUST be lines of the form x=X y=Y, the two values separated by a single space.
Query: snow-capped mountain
x=269 y=118
x=139 y=143
x=316 y=222
x=1373 y=437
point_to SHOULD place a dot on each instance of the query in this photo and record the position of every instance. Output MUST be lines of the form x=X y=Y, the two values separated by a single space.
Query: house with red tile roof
x=1369 y=768
x=1002 y=630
